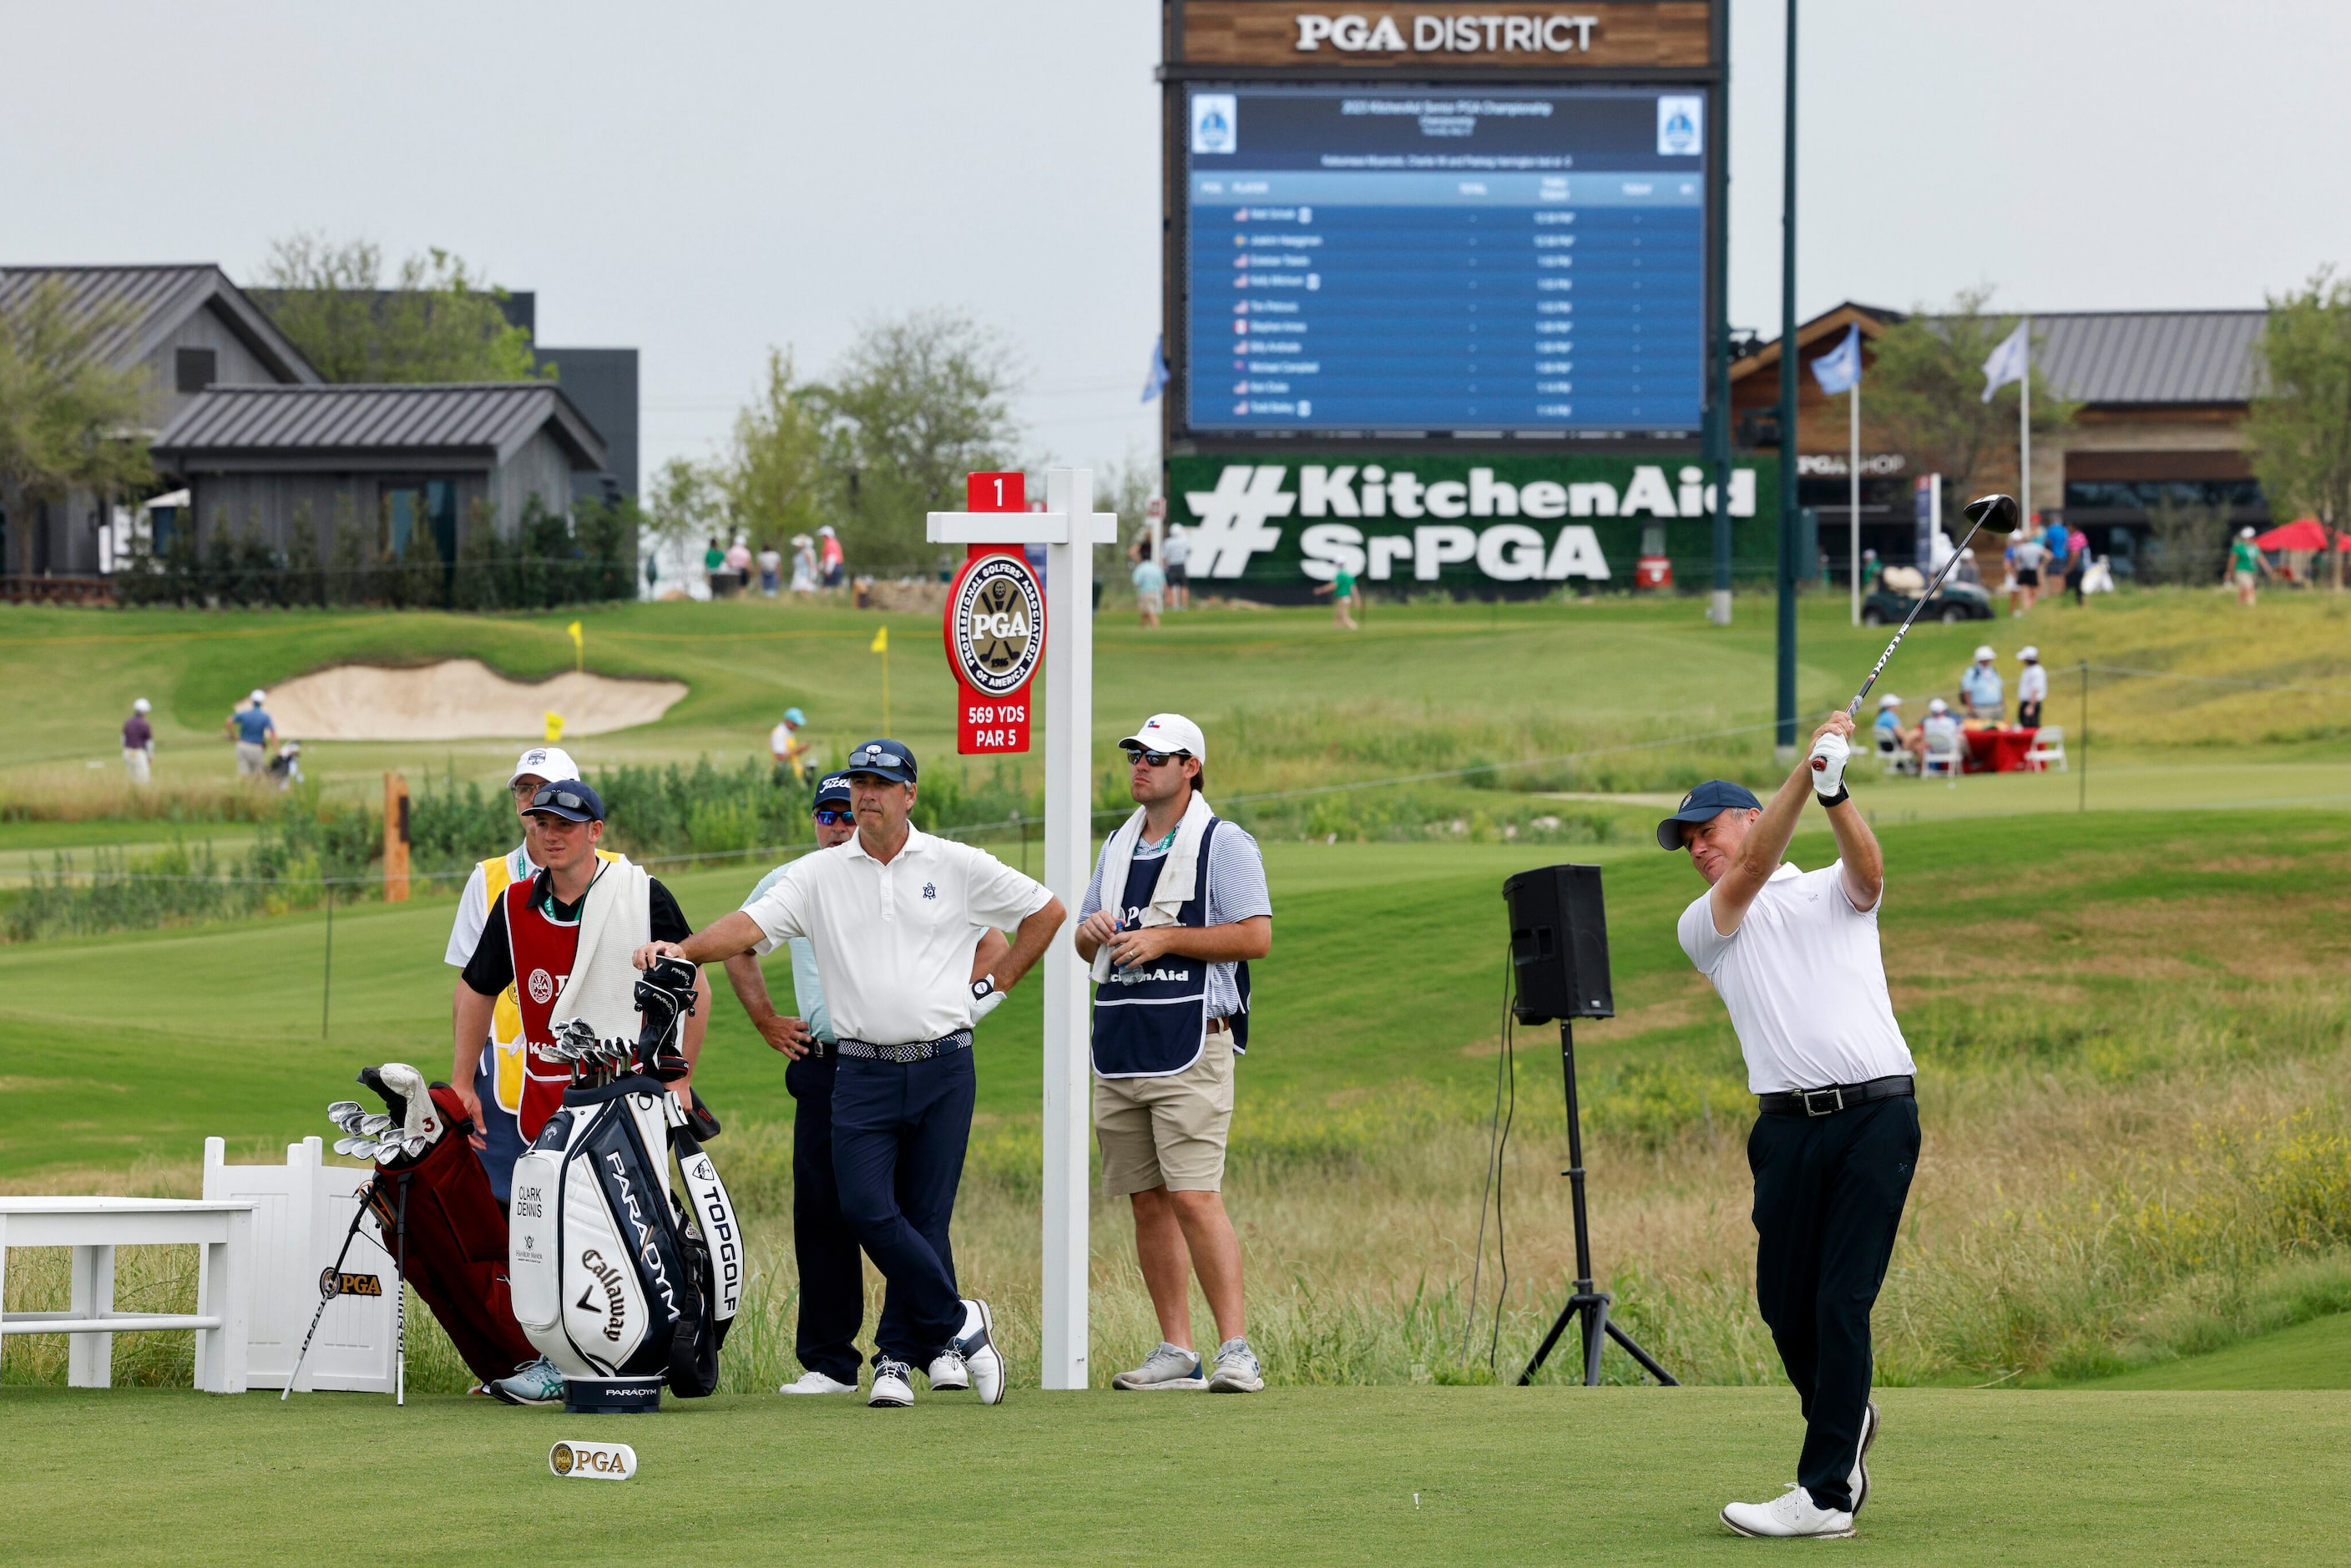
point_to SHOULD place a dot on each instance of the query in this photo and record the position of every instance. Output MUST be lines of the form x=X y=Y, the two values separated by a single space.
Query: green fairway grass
x=2308 y=1355
x=1407 y=1474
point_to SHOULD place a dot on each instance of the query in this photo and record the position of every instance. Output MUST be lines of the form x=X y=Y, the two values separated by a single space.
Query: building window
x=2146 y=494
x=432 y=506
x=196 y=369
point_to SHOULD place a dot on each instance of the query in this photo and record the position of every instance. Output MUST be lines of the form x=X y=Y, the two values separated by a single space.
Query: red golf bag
x=440 y=1220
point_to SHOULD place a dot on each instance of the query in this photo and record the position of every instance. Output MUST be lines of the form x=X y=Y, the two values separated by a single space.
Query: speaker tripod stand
x=1590 y=1305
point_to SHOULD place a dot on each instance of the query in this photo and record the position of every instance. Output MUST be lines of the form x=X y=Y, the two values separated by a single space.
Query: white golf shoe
x=893 y=1386
x=818 y=1383
x=1790 y=1514
x=1236 y=1369
x=949 y=1374
x=1169 y=1366
x=1858 y=1484
x=976 y=1345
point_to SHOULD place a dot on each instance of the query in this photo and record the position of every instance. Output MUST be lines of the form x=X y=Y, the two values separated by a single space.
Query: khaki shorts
x=1167 y=1132
x=252 y=761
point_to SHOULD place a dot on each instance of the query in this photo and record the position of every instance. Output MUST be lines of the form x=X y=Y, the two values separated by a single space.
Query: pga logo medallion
x=995 y=631
x=593 y=1461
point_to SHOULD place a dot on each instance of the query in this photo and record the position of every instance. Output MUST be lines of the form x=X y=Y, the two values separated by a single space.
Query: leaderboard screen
x=1368 y=258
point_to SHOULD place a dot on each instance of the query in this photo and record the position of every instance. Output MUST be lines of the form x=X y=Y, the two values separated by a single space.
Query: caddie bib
x=499 y=874
x=544 y=949
x=1152 y=1019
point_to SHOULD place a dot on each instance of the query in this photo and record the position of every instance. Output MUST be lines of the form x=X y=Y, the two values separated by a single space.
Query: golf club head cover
x=601 y=1277
x=712 y=1237
x=456 y=1243
x=665 y=994
x=700 y=1120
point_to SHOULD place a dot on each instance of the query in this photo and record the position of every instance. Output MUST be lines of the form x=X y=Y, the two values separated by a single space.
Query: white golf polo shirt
x=894 y=943
x=1805 y=983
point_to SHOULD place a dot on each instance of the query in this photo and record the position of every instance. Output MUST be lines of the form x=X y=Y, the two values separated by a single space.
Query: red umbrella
x=2303 y=533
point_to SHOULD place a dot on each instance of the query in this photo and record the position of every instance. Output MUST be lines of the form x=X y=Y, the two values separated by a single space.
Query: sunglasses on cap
x=556 y=796
x=1156 y=759
x=830 y=817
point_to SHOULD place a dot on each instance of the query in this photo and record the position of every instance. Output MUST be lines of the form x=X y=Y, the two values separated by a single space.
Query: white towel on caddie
x=617 y=920
x=1179 y=872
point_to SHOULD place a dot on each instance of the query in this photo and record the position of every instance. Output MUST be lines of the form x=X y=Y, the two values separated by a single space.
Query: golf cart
x=1952 y=603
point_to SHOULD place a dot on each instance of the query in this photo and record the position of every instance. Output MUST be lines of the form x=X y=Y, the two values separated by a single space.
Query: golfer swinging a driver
x=1794 y=955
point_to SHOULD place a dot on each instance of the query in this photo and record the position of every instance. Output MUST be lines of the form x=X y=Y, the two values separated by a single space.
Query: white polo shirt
x=894 y=943
x=1805 y=983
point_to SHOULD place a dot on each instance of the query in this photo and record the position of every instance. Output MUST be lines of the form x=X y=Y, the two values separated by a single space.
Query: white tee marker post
x=1068 y=862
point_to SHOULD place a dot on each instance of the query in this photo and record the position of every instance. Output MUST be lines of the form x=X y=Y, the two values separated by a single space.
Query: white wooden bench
x=222 y=1232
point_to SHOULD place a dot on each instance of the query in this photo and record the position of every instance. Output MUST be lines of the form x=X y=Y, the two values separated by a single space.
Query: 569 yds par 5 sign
x=995 y=630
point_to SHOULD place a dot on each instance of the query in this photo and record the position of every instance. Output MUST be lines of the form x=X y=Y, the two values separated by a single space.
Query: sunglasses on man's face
x=1156 y=759
x=830 y=818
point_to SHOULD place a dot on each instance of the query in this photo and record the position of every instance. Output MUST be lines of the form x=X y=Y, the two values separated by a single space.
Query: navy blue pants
x=899 y=1129
x=1829 y=1192
x=500 y=1127
x=832 y=1276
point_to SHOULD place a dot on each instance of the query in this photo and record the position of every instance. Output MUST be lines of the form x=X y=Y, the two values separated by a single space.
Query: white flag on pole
x=2011 y=361
x=1839 y=369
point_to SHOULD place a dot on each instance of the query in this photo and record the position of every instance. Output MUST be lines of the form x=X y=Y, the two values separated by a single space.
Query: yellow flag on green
x=554 y=726
x=882 y=641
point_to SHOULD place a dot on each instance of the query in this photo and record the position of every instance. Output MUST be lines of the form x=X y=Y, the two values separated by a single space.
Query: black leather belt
x=1836 y=1097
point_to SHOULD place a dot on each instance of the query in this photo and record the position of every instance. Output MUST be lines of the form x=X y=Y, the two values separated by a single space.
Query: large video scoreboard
x=1440 y=219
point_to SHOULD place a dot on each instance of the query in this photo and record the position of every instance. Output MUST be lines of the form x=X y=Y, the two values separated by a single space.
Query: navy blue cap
x=1704 y=804
x=568 y=798
x=832 y=790
x=884 y=759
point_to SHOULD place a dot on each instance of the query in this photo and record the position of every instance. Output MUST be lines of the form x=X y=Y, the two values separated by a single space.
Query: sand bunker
x=458 y=699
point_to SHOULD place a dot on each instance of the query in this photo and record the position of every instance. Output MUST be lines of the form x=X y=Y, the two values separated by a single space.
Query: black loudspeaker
x=1559 y=945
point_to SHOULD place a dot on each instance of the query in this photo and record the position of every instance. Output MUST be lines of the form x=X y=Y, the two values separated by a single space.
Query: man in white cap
x=488 y=1075
x=1938 y=736
x=1981 y=688
x=2032 y=688
x=1177 y=909
x=1892 y=735
x=2247 y=566
x=138 y=743
x=253 y=731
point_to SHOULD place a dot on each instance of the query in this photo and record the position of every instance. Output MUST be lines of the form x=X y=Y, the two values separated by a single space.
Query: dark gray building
x=190 y=328
x=602 y=384
x=404 y=458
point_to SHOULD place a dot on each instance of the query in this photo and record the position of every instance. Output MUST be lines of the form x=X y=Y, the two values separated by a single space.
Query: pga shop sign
x=995 y=631
x=1479 y=524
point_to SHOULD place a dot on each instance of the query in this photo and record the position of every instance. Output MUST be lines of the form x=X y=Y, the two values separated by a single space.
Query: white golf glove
x=985 y=998
x=1830 y=754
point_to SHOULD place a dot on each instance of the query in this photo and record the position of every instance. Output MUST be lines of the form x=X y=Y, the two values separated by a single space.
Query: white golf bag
x=622 y=1283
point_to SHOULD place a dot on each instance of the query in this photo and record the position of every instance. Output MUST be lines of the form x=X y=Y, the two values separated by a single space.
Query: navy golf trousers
x=899 y=1131
x=1829 y=1192
x=833 y=1275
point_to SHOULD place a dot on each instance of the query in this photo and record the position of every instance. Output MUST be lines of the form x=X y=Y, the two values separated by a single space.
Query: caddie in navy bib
x=1151 y=1019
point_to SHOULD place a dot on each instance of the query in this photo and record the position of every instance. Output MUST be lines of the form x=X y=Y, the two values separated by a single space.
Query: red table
x=2000 y=750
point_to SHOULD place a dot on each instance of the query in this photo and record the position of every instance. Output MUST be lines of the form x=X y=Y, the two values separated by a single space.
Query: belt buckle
x=1836 y=1097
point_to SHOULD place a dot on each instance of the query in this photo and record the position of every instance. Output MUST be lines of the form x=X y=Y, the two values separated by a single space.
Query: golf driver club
x=1989 y=514
x=329 y=1288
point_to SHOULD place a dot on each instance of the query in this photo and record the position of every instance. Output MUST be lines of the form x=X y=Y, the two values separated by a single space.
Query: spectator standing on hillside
x=1177 y=909
x=1178 y=560
x=2028 y=552
x=738 y=565
x=1794 y=955
x=252 y=730
x=804 y=569
x=791 y=753
x=771 y=570
x=1981 y=686
x=832 y=567
x=1150 y=584
x=2247 y=565
x=824 y=1249
x=138 y=743
x=2077 y=562
x=1871 y=567
x=2032 y=688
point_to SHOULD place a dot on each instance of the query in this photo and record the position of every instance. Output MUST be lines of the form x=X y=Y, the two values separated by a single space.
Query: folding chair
x=2048 y=747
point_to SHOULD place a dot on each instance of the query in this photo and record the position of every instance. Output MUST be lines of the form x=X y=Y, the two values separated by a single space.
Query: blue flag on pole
x=1839 y=369
x=1155 y=381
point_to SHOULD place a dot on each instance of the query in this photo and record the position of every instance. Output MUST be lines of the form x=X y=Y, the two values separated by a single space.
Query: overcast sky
x=701 y=182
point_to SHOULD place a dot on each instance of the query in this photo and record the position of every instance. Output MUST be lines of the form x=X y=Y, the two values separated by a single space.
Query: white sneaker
x=947 y=1373
x=1791 y=1513
x=1236 y=1369
x=1858 y=1484
x=893 y=1386
x=1169 y=1366
x=977 y=1344
x=818 y=1383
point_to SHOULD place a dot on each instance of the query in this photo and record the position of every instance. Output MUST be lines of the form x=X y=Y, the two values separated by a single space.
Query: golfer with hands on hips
x=1794 y=956
x=1177 y=909
x=894 y=916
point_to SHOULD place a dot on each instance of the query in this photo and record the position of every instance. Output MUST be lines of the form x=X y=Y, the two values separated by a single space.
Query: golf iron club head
x=1995 y=514
x=374 y=1124
x=352 y=1146
x=342 y=1108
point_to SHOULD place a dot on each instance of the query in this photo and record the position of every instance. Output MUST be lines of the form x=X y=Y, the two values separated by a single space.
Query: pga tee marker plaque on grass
x=593 y=1461
x=995 y=630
